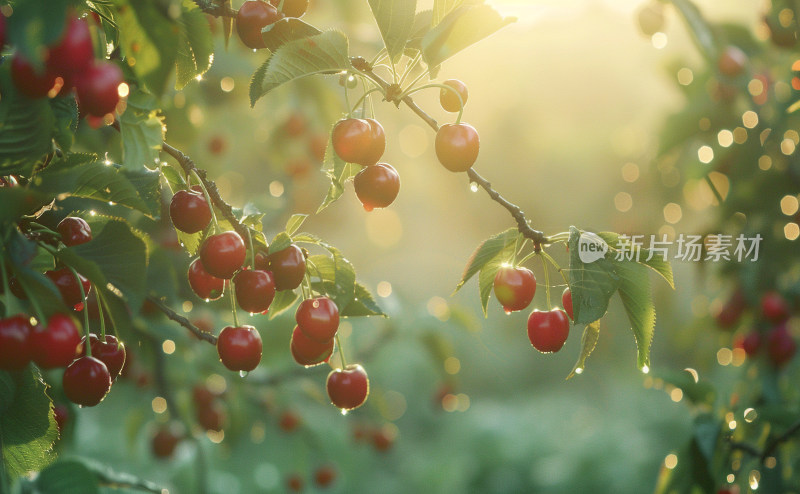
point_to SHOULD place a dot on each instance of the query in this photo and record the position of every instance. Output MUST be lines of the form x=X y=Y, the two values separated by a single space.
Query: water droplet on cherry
x=507 y=311
x=243 y=373
x=367 y=208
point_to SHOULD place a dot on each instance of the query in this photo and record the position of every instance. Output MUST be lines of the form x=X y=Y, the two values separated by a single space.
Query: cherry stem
x=363 y=99
x=517 y=249
x=280 y=6
x=414 y=83
x=442 y=86
x=341 y=351
x=101 y=304
x=252 y=250
x=555 y=265
x=546 y=282
x=346 y=95
x=410 y=68
x=233 y=302
x=87 y=343
x=319 y=275
x=208 y=200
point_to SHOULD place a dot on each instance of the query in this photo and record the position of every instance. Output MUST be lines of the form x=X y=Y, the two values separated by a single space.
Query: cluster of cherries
x=90 y=368
x=456 y=144
x=254 y=15
x=548 y=330
x=70 y=63
x=324 y=477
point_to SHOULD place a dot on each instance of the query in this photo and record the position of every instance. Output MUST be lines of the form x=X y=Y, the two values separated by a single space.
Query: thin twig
x=182 y=320
x=770 y=448
x=215 y=9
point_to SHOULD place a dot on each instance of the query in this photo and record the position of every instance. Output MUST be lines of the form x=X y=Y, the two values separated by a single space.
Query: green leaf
x=27 y=427
x=486 y=251
x=105 y=475
x=43 y=261
x=459 y=29
x=287 y=29
x=694 y=471
x=422 y=24
x=657 y=263
x=443 y=7
x=282 y=302
x=36 y=23
x=294 y=223
x=39 y=289
x=326 y=52
x=363 y=304
x=489 y=271
x=65 y=111
x=701 y=32
x=592 y=284
x=196 y=50
x=67 y=477
x=591 y=333
x=395 y=20
x=142 y=131
x=18 y=201
x=337 y=277
x=280 y=242
x=634 y=290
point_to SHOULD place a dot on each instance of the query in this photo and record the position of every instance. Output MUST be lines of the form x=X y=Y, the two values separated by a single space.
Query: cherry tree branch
x=216 y=9
x=770 y=448
x=171 y=314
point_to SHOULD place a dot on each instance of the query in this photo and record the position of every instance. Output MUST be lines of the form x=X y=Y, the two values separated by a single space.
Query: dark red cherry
x=348 y=388
x=457 y=146
x=111 y=352
x=165 y=440
x=203 y=284
x=86 y=381
x=55 y=345
x=252 y=16
x=731 y=312
x=239 y=348
x=288 y=266
x=74 y=231
x=377 y=186
x=254 y=290
x=15 y=345
x=318 y=318
x=98 y=88
x=223 y=254
x=566 y=301
x=29 y=81
x=325 y=476
x=68 y=286
x=74 y=52
x=750 y=343
x=288 y=421
x=212 y=417
x=308 y=352
x=548 y=330
x=189 y=211
x=781 y=347
x=514 y=287
x=774 y=307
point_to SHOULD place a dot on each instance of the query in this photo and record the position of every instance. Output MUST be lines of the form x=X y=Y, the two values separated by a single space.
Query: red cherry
x=732 y=61
x=377 y=186
x=292 y=8
x=348 y=388
x=29 y=81
x=68 y=286
x=86 y=381
x=2 y=31
x=165 y=440
x=217 y=145
x=212 y=417
x=261 y=261
x=731 y=312
x=514 y=287
x=325 y=475
x=239 y=348
x=548 y=330
x=382 y=439
x=223 y=254
x=295 y=483
x=288 y=421
x=377 y=146
x=750 y=343
x=74 y=231
x=295 y=125
x=98 y=88
x=288 y=267
x=360 y=141
x=449 y=99
x=15 y=345
x=318 y=318
x=253 y=15
x=203 y=284
x=254 y=290
x=308 y=352
x=781 y=347
x=57 y=344
x=774 y=308
x=110 y=352
x=202 y=396
x=74 y=52
x=457 y=146
x=566 y=301
x=189 y=211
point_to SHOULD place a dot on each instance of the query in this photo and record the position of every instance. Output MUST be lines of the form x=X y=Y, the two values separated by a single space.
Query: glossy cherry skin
x=449 y=99
x=566 y=301
x=68 y=286
x=86 y=381
x=110 y=352
x=223 y=254
x=548 y=330
x=253 y=15
x=98 y=88
x=308 y=352
x=324 y=476
x=781 y=347
x=360 y=141
x=239 y=348
x=189 y=211
x=29 y=81
x=74 y=52
x=318 y=318
x=377 y=186
x=774 y=308
x=457 y=146
x=74 y=231
x=288 y=266
x=348 y=388
x=164 y=442
x=15 y=345
x=377 y=146
x=57 y=344
x=514 y=287
x=203 y=284
x=292 y=8
x=732 y=62
x=254 y=290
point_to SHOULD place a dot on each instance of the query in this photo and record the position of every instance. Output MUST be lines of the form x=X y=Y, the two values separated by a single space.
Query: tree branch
x=769 y=449
x=171 y=314
x=215 y=9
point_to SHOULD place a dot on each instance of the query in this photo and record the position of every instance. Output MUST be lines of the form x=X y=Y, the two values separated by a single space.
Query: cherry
x=732 y=62
x=254 y=290
x=731 y=312
x=68 y=286
x=750 y=343
x=202 y=396
x=308 y=352
x=774 y=308
x=212 y=417
x=514 y=287
x=566 y=301
x=295 y=125
x=74 y=53
x=57 y=344
x=377 y=186
x=2 y=31
x=74 y=231
x=288 y=267
x=781 y=347
x=98 y=88
x=29 y=81
x=203 y=284
x=318 y=318
x=288 y=421
x=292 y=8
x=15 y=346
x=111 y=352
x=165 y=440
x=86 y=381
x=325 y=475
x=449 y=99
x=317 y=146
x=382 y=439
x=548 y=330
x=223 y=254
x=295 y=483
x=189 y=211
x=239 y=348
x=217 y=145
x=348 y=388
x=253 y=15
x=457 y=146
x=360 y=141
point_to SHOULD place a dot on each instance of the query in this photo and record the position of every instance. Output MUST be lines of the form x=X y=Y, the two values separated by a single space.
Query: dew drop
x=645 y=369
x=507 y=311
x=315 y=304
x=579 y=370
x=367 y=208
x=243 y=373
x=473 y=186
x=344 y=412
x=252 y=314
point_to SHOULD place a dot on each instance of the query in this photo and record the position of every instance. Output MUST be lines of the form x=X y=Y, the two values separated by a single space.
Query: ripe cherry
x=377 y=186
x=74 y=231
x=74 y=53
x=750 y=343
x=253 y=15
x=212 y=417
x=189 y=211
x=348 y=388
x=111 y=352
x=223 y=254
x=292 y=8
x=288 y=421
x=318 y=318
x=165 y=440
x=86 y=381
x=325 y=475
x=382 y=439
x=68 y=286
x=449 y=99
x=308 y=352
x=781 y=347
x=295 y=125
x=566 y=301
x=288 y=267
x=29 y=81
x=774 y=308
x=294 y=483
x=255 y=290
x=57 y=344
x=548 y=330
x=732 y=62
x=15 y=345
x=731 y=312
x=514 y=287
x=360 y=141
x=98 y=88
x=457 y=146
x=203 y=284
x=239 y=348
